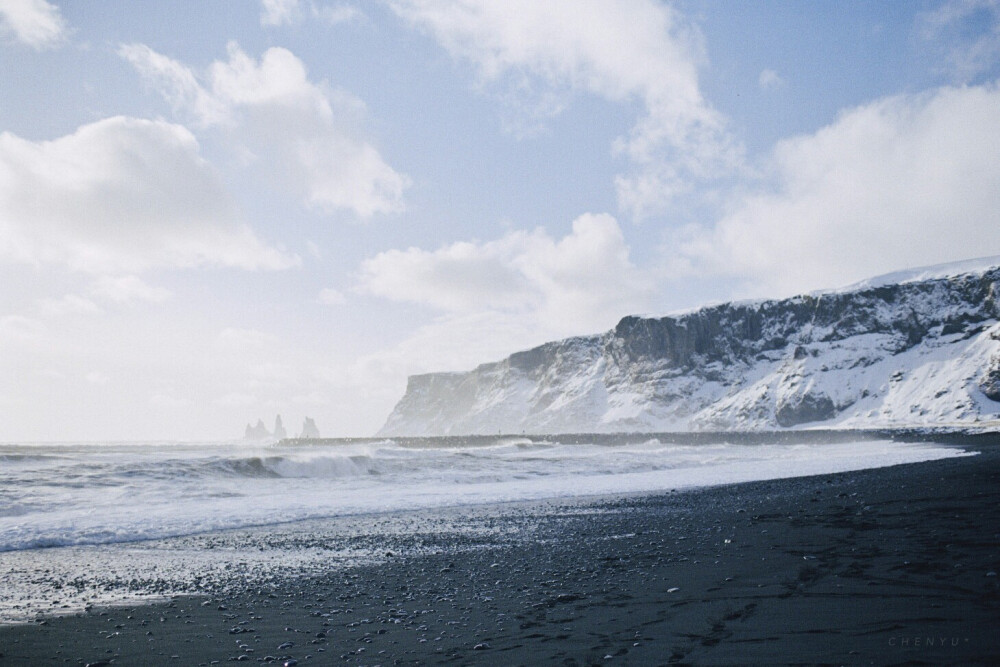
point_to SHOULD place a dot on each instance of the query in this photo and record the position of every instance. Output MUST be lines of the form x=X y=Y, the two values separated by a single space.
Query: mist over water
x=73 y=494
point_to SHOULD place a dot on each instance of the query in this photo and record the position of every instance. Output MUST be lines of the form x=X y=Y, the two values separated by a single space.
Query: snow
x=863 y=370
x=936 y=271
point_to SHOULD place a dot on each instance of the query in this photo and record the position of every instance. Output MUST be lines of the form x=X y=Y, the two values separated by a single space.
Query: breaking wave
x=66 y=494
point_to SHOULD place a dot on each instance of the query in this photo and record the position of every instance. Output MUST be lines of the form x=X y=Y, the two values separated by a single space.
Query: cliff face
x=917 y=352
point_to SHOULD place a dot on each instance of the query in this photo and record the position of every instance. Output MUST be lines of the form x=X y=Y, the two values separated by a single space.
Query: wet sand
x=890 y=566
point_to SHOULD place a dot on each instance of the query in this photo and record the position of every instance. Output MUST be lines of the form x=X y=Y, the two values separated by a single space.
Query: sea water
x=86 y=524
x=70 y=494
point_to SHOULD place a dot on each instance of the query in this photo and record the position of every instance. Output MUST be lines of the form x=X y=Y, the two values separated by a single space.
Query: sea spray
x=55 y=495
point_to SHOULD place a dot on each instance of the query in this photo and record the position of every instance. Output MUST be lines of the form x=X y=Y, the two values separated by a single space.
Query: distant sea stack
x=914 y=349
x=309 y=429
x=279 y=429
x=258 y=432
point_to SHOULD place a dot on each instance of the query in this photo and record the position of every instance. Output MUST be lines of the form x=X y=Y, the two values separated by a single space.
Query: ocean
x=55 y=495
x=80 y=521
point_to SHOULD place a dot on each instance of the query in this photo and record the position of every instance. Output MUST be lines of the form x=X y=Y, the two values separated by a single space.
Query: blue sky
x=212 y=212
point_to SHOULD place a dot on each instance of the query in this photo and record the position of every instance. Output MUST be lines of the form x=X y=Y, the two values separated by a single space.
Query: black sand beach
x=889 y=566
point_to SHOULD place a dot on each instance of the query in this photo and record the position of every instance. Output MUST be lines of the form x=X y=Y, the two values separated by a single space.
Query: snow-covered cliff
x=913 y=350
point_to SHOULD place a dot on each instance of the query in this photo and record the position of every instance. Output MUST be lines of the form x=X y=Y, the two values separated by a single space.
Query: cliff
x=910 y=350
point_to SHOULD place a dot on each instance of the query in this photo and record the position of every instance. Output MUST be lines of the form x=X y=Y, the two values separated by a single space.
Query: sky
x=214 y=212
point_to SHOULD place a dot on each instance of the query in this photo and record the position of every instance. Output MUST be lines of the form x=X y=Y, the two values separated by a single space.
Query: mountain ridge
x=923 y=350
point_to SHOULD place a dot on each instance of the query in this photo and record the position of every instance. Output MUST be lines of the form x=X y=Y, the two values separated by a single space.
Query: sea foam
x=66 y=494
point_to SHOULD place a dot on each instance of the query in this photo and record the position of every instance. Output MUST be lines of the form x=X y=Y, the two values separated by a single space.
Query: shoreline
x=873 y=566
x=984 y=432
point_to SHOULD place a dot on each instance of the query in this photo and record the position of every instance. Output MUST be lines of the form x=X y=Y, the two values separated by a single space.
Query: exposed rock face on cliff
x=919 y=349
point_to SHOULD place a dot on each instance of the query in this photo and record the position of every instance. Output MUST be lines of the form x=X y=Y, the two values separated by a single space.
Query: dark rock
x=279 y=429
x=989 y=384
x=309 y=429
x=804 y=409
x=258 y=432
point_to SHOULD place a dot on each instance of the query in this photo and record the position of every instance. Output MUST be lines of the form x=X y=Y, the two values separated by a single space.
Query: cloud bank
x=277 y=13
x=620 y=50
x=304 y=134
x=904 y=181
x=35 y=23
x=966 y=34
x=573 y=284
x=121 y=195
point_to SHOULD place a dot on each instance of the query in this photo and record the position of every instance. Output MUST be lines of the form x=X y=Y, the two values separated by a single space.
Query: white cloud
x=279 y=12
x=243 y=340
x=496 y=297
x=271 y=374
x=33 y=22
x=236 y=400
x=334 y=14
x=178 y=84
x=620 y=50
x=127 y=289
x=453 y=342
x=967 y=33
x=18 y=328
x=331 y=297
x=97 y=378
x=307 y=135
x=121 y=195
x=581 y=283
x=70 y=304
x=770 y=80
x=168 y=402
x=904 y=181
x=315 y=399
x=275 y=13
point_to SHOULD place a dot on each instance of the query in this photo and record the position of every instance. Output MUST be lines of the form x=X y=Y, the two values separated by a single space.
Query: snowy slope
x=914 y=349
